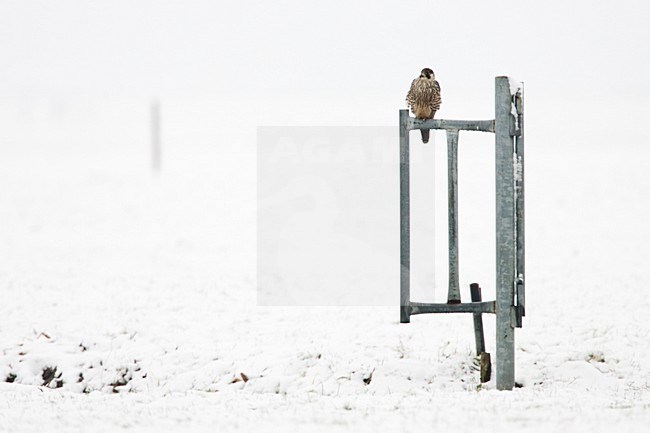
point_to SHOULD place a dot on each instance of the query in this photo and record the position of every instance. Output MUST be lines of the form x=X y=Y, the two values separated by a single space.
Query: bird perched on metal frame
x=424 y=98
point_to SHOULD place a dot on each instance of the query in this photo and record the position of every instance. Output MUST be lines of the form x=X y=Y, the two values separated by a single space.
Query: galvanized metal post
x=519 y=190
x=505 y=236
x=404 y=206
x=453 y=294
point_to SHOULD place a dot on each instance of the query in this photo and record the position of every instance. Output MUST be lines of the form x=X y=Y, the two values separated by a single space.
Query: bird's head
x=428 y=74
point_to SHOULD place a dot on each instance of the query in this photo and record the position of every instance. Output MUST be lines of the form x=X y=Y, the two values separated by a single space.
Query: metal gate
x=509 y=306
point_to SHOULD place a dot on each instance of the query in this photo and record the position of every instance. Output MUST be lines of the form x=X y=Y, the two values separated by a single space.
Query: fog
x=82 y=74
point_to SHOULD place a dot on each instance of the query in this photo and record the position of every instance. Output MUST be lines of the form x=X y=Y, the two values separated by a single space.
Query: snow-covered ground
x=133 y=297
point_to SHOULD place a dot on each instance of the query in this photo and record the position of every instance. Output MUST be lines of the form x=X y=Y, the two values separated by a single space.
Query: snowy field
x=138 y=294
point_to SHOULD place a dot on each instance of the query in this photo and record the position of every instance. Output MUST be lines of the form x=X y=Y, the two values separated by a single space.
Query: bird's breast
x=422 y=111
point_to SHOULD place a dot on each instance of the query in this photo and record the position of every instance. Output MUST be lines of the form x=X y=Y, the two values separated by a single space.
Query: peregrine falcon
x=424 y=98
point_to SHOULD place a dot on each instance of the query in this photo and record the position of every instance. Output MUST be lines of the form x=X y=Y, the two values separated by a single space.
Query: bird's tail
x=425 y=135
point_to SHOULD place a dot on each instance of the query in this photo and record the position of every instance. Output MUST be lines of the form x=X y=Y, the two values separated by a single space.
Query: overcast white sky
x=326 y=62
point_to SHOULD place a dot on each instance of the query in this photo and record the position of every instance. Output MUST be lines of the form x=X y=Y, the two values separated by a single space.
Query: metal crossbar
x=465 y=125
x=509 y=306
x=474 y=307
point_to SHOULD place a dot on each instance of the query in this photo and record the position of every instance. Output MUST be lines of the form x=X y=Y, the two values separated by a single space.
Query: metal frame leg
x=404 y=206
x=453 y=294
x=505 y=236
